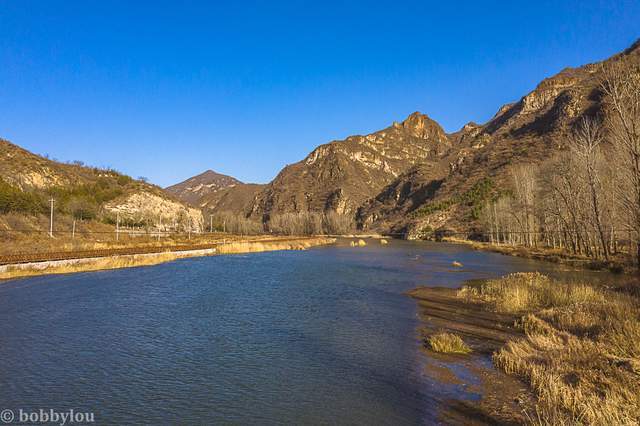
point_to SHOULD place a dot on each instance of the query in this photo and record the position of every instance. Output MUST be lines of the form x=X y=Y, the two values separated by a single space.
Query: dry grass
x=526 y=292
x=257 y=246
x=580 y=352
x=85 y=265
x=617 y=264
x=448 y=343
x=126 y=261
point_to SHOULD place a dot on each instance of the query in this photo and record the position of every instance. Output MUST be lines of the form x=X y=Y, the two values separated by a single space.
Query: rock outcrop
x=342 y=175
x=163 y=213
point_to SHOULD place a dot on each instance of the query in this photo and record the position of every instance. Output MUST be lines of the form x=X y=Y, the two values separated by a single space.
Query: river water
x=324 y=336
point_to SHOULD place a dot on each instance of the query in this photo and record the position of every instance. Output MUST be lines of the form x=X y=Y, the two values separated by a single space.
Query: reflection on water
x=322 y=336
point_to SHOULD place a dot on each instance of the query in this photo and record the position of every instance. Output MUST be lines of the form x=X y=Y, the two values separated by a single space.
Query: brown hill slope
x=237 y=199
x=531 y=130
x=28 y=181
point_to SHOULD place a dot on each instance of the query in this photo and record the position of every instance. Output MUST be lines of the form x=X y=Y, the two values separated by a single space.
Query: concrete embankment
x=146 y=259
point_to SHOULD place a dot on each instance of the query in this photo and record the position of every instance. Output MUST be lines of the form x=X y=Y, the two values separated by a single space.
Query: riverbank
x=86 y=264
x=568 y=352
x=547 y=255
x=440 y=310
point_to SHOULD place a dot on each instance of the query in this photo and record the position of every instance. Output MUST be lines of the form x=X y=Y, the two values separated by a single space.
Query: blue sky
x=169 y=89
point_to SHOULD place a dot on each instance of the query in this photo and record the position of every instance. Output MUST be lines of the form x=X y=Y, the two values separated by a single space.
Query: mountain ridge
x=386 y=178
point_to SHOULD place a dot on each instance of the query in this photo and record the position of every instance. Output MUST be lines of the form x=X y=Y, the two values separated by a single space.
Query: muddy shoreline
x=503 y=399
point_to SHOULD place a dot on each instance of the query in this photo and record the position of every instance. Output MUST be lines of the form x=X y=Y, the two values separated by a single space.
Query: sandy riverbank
x=146 y=259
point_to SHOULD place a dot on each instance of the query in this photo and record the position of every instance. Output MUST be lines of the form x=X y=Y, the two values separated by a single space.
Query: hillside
x=215 y=193
x=28 y=181
x=532 y=130
x=235 y=199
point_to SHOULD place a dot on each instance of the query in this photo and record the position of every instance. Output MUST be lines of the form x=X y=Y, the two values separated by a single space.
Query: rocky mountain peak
x=421 y=126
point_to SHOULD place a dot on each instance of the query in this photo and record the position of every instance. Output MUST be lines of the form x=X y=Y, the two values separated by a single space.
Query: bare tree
x=585 y=147
x=524 y=183
x=621 y=87
x=311 y=223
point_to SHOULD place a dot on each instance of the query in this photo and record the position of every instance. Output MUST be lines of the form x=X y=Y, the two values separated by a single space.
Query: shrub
x=448 y=343
x=474 y=197
x=13 y=199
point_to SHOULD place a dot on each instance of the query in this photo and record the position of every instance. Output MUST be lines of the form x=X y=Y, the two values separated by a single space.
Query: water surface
x=323 y=336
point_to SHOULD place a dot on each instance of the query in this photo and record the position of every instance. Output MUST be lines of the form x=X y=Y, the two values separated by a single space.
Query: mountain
x=532 y=130
x=341 y=175
x=412 y=176
x=217 y=193
x=28 y=181
x=237 y=199
x=194 y=189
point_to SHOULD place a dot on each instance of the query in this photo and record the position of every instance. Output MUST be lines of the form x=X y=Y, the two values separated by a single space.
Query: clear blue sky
x=169 y=89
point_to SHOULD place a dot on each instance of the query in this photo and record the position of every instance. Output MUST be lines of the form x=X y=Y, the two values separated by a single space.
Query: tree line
x=299 y=223
x=586 y=200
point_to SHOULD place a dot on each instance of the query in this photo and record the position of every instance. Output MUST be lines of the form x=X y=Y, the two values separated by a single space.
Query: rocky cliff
x=341 y=175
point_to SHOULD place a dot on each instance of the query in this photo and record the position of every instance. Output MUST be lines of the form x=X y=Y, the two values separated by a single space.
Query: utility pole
x=117 y=226
x=73 y=232
x=211 y=224
x=51 y=219
x=224 y=226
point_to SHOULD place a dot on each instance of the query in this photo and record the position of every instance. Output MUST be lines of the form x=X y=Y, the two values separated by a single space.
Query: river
x=322 y=336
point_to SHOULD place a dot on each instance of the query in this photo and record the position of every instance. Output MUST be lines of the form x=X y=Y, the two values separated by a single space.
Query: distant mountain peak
x=192 y=190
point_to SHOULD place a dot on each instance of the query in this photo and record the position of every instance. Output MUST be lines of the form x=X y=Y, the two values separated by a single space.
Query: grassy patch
x=581 y=347
x=524 y=292
x=448 y=343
